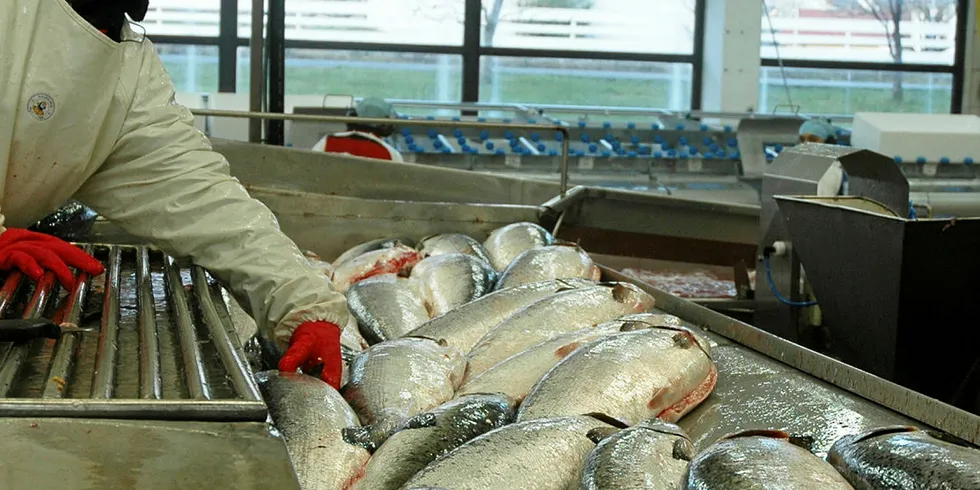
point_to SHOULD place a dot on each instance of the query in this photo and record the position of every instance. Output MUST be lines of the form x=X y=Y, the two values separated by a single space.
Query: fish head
x=629 y=294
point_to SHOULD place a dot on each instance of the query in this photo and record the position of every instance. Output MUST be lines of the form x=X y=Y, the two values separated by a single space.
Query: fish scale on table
x=553 y=316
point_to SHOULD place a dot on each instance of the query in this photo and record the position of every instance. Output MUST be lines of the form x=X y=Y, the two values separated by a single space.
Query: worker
x=89 y=111
x=818 y=131
x=364 y=140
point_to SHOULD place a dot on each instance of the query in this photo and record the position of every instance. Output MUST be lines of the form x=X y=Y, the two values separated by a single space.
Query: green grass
x=561 y=89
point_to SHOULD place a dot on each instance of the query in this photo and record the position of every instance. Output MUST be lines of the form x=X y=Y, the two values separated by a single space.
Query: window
x=826 y=91
x=641 y=26
x=421 y=22
x=193 y=69
x=585 y=82
x=183 y=18
x=878 y=31
x=370 y=73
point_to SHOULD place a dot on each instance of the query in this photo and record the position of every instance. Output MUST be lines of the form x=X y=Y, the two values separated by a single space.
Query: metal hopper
x=897 y=295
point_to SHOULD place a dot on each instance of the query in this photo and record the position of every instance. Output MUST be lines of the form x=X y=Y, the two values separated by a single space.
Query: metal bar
x=230 y=356
x=197 y=383
x=228 y=47
x=255 y=70
x=17 y=353
x=104 y=376
x=859 y=65
x=275 y=131
x=186 y=40
x=178 y=410
x=586 y=55
x=959 y=62
x=151 y=383
x=947 y=418
x=61 y=371
x=471 y=50
x=386 y=47
x=421 y=122
x=9 y=290
x=697 y=66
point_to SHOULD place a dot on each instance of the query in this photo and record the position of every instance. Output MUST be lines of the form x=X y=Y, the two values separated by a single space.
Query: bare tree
x=890 y=13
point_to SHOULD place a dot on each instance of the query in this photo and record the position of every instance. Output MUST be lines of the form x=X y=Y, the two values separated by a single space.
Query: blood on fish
x=696 y=396
x=396 y=265
x=658 y=398
x=356 y=477
x=565 y=350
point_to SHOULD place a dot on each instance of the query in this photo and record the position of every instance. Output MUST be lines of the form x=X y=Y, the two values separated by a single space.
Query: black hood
x=109 y=16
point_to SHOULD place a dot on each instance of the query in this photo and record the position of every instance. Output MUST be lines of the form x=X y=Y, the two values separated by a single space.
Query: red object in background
x=356 y=146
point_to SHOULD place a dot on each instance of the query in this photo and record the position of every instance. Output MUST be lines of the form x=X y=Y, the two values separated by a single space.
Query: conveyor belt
x=161 y=349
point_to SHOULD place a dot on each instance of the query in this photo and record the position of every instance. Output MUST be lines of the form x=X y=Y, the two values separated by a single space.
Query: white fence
x=613 y=25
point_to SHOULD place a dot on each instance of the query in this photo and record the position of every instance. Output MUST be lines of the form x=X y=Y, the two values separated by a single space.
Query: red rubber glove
x=313 y=344
x=34 y=253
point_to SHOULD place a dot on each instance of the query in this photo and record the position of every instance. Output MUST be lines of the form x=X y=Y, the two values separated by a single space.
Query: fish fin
x=633 y=325
x=608 y=419
x=565 y=350
x=683 y=340
x=421 y=421
x=359 y=436
x=683 y=450
x=597 y=434
x=881 y=431
x=771 y=433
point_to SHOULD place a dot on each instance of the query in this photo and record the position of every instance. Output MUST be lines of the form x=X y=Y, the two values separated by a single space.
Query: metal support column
x=228 y=47
x=256 y=59
x=276 y=55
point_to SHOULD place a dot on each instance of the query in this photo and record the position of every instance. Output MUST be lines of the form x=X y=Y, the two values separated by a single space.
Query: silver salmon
x=904 y=458
x=429 y=435
x=537 y=455
x=760 y=460
x=452 y=243
x=556 y=315
x=398 y=259
x=387 y=307
x=517 y=375
x=463 y=327
x=633 y=376
x=392 y=381
x=451 y=280
x=371 y=246
x=311 y=417
x=650 y=456
x=546 y=263
x=506 y=243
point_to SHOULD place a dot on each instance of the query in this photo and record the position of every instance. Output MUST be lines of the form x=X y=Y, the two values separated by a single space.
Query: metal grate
x=164 y=346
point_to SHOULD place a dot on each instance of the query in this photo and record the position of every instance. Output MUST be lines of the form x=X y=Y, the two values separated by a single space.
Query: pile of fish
x=508 y=364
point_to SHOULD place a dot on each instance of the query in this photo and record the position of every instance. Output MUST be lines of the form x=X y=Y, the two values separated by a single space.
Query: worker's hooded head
x=374 y=108
x=109 y=16
x=818 y=131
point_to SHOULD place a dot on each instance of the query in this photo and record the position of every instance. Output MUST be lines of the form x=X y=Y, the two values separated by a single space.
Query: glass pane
x=430 y=22
x=183 y=18
x=585 y=82
x=645 y=26
x=850 y=91
x=893 y=31
x=192 y=68
x=377 y=74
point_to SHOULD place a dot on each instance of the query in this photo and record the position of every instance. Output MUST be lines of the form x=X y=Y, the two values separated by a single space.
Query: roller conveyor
x=161 y=348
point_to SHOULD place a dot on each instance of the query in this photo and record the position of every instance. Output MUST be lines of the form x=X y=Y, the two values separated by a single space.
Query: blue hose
x=772 y=287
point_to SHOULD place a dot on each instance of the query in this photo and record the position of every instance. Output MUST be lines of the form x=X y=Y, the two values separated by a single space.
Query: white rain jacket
x=83 y=116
